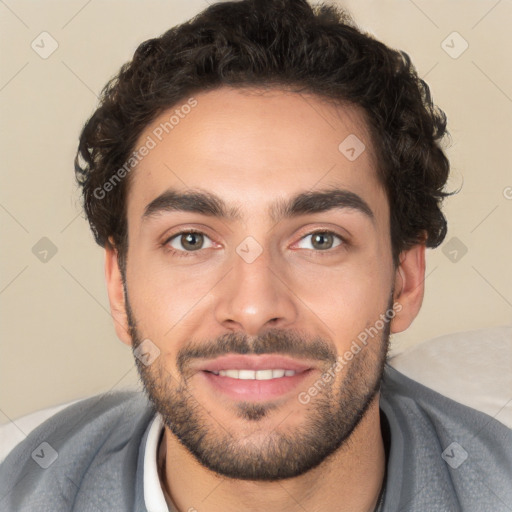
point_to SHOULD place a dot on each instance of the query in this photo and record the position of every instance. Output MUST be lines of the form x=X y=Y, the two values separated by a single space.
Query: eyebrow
x=207 y=203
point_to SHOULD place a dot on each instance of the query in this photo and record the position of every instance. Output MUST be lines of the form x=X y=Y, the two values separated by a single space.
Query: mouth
x=253 y=378
x=266 y=374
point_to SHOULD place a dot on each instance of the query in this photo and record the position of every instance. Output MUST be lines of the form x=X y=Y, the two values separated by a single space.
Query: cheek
x=347 y=299
x=164 y=297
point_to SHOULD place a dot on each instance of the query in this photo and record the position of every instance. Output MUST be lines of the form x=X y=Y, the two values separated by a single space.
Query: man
x=265 y=180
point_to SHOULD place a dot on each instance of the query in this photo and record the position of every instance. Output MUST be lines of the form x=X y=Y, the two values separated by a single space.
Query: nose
x=255 y=296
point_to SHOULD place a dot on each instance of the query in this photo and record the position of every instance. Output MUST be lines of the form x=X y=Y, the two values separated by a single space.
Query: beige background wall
x=57 y=338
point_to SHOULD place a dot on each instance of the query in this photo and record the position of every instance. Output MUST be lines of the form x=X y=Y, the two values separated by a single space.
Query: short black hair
x=284 y=44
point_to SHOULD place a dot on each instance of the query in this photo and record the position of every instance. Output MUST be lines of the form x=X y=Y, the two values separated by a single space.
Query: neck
x=348 y=480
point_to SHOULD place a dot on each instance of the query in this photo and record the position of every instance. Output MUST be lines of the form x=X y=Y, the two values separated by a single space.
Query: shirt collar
x=154 y=497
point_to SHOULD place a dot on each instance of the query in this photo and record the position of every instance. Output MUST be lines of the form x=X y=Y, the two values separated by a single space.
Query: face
x=258 y=259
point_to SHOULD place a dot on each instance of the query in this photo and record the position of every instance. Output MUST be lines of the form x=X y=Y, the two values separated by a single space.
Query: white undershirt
x=154 y=497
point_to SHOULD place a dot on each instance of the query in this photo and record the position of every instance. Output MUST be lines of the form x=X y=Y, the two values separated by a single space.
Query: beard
x=329 y=418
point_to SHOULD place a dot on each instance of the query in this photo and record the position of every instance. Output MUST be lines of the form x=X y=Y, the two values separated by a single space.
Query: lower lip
x=254 y=390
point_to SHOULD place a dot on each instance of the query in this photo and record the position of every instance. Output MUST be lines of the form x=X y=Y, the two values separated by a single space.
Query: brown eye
x=189 y=241
x=321 y=240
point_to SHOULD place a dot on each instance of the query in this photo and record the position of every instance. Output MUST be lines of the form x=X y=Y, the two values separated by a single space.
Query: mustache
x=273 y=341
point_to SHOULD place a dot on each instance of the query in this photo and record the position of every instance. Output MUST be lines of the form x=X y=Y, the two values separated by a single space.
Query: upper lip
x=254 y=362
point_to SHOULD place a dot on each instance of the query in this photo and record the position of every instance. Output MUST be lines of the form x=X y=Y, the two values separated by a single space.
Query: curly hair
x=274 y=43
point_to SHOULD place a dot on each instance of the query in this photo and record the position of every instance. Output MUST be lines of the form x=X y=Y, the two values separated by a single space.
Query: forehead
x=252 y=147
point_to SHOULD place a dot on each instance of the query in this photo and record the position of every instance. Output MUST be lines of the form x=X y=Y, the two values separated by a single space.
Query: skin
x=251 y=148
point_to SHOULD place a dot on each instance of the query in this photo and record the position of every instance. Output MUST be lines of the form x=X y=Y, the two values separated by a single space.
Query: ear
x=409 y=287
x=116 y=295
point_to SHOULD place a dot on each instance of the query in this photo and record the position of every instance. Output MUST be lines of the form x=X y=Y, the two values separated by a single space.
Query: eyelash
x=184 y=254
x=175 y=252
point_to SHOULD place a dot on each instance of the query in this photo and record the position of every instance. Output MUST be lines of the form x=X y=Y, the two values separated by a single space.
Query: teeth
x=242 y=374
x=255 y=374
x=264 y=374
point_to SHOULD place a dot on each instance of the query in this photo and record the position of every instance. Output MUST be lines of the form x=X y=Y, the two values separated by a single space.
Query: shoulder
x=85 y=444
x=411 y=399
x=462 y=455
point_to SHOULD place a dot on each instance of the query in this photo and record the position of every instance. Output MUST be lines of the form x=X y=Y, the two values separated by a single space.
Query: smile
x=267 y=374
